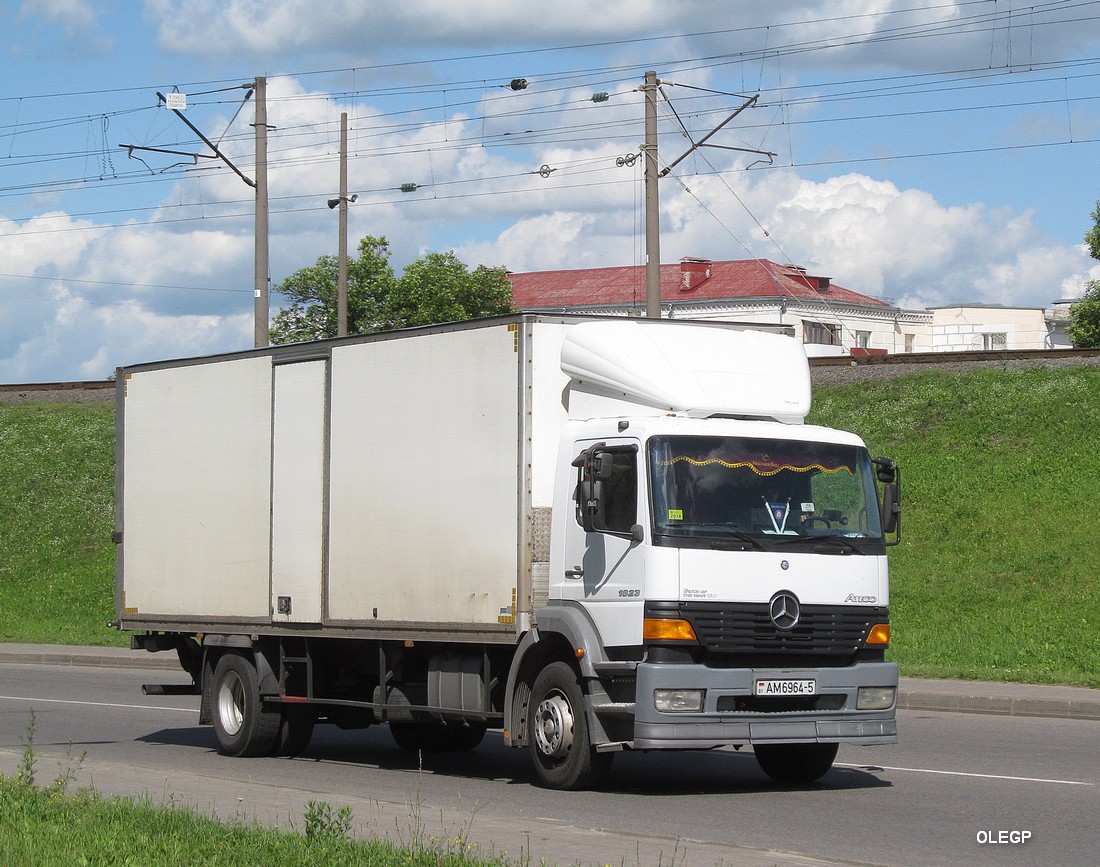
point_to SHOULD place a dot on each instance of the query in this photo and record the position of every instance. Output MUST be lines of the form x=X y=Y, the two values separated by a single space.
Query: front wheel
x=241 y=725
x=558 y=732
x=795 y=763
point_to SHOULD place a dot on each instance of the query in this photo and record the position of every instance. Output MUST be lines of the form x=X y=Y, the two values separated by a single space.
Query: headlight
x=875 y=697
x=679 y=700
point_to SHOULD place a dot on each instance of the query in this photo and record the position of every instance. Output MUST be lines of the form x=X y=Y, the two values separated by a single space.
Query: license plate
x=786 y=687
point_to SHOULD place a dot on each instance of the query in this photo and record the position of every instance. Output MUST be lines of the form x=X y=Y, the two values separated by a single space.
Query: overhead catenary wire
x=382 y=124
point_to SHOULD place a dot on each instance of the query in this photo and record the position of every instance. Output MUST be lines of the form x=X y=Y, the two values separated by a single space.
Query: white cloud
x=476 y=148
x=78 y=21
x=64 y=336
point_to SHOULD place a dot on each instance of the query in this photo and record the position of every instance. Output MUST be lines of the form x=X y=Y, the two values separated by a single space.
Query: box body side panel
x=197 y=492
x=424 y=479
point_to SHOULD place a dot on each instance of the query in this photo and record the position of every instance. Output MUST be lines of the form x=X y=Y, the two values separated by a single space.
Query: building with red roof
x=828 y=318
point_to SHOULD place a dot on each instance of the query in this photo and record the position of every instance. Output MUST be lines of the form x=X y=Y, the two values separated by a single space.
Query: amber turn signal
x=657 y=629
x=879 y=634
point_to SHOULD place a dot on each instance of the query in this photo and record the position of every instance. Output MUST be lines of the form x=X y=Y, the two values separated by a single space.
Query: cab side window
x=607 y=489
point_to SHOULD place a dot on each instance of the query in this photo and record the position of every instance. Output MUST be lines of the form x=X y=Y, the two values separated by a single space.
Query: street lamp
x=342 y=273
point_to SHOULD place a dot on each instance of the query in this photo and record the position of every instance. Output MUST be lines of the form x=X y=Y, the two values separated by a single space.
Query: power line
x=124 y=285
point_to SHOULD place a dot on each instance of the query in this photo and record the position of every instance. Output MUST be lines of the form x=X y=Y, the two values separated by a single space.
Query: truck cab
x=720 y=567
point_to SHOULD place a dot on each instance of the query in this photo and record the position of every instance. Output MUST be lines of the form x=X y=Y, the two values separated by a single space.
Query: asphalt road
x=954 y=782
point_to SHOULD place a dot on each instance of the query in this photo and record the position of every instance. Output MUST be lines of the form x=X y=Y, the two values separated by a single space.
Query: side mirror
x=886 y=470
x=599 y=465
x=595 y=465
x=589 y=495
x=891 y=509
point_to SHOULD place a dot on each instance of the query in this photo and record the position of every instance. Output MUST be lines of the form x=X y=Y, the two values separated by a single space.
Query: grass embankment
x=998 y=573
x=996 y=576
x=57 y=465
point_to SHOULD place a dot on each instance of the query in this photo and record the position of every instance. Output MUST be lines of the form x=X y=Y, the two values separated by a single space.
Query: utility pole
x=652 y=205
x=342 y=276
x=262 y=276
x=652 y=175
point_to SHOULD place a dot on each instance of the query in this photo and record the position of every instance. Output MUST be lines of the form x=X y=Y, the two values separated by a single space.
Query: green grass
x=996 y=577
x=56 y=519
x=997 y=574
x=48 y=826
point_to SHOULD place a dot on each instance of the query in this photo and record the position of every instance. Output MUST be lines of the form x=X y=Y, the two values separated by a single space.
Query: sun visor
x=688 y=368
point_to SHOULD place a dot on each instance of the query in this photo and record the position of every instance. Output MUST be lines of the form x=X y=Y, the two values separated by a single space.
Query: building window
x=863 y=339
x=995 y=341
x=910 y=341
x=821 y=332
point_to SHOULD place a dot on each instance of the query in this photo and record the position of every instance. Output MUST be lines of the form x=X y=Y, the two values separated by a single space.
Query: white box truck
x=594 y=534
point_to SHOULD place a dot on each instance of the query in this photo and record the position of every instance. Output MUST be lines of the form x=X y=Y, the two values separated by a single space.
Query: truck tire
x=295 y=730
x=795 y=763
x=241 y=724
x=561 y=746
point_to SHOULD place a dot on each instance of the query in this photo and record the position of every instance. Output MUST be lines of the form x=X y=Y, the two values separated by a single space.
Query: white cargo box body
x=397 y=483
x=362 y=483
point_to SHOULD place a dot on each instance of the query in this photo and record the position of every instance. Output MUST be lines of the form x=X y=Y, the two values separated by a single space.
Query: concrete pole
x=652 y=204
x=342 y=276
x=262 y=277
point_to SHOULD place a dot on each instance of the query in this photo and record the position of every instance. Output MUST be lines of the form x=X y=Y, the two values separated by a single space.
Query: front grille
x=739 y=628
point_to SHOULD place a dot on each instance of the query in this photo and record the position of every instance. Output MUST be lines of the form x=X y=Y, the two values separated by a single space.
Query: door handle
x=575 y=572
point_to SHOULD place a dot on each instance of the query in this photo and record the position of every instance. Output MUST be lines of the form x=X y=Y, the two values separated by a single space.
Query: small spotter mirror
x=886 y=470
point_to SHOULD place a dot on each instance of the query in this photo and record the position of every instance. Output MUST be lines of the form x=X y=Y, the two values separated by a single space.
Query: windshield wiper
x=685 y=531
x=840 y=543
x=823 y=544
x=741 y=535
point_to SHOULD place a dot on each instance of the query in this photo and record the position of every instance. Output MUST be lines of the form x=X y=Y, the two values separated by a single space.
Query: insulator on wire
x=602 y=96
x=518 y=84
x=409 y=188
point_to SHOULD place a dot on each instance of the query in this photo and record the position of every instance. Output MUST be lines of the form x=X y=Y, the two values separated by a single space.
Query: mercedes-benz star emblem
x=784 y=610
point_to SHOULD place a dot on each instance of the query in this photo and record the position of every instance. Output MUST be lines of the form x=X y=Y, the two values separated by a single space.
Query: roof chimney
x=694 y=273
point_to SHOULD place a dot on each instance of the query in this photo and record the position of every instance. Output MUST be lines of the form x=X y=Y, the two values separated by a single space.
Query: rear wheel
x=795 y=763
x=437 y=737
x=416 y=737
x=295 y=730
x=467 y=737
x=558 y=732
x=242 y=726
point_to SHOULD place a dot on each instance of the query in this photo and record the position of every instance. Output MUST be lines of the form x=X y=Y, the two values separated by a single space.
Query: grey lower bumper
x=712 y=728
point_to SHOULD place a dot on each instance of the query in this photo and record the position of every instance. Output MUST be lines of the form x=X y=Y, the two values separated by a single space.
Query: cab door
x=604 y=563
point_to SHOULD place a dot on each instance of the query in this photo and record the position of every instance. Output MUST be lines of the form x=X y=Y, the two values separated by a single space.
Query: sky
x=920 y=151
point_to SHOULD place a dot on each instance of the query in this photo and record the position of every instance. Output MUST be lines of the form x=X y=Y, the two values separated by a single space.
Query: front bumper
x=713 y=727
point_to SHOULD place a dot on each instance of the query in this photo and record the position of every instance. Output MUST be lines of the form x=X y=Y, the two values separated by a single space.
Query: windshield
x=763 y=492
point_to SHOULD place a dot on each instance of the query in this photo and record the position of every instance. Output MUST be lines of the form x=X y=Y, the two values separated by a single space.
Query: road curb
x=97 y=657
x=952 y=696
x=1007 y=699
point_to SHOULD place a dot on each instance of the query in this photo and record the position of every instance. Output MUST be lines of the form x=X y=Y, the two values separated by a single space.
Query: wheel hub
x=554 y=727
x=231 y=703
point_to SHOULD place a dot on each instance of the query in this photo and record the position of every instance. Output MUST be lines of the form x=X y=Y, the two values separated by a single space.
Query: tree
x=435 y=288
x=1092 y=236
x=1084 y=313
x=1084 y=318
x=439 y=288
x=311 y=314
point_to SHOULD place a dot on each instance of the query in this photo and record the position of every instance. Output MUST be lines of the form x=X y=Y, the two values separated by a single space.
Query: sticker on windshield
x=676 y=514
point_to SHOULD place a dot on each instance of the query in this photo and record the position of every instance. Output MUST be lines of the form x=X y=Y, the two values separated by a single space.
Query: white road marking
x=97 y=703
x=964 y=774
